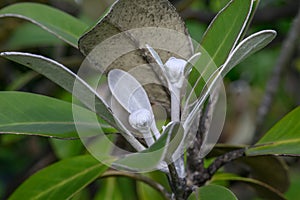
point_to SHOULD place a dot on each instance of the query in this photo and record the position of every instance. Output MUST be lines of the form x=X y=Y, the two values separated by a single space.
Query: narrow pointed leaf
x=61 y=24
x=263 y=189
x=219 y=40
x=247 y=47
x=212 y=192
x=281 y=139
x=32 y=114
x=65 y=78
x=61 y=180
x=225 y=30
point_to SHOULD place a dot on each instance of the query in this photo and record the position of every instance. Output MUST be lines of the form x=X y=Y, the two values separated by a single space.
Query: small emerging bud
x=175 y=69
x=141 y=119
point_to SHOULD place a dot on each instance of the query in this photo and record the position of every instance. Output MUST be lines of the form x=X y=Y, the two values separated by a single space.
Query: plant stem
x=178 y=184
x=176 y=168
x=217 y=164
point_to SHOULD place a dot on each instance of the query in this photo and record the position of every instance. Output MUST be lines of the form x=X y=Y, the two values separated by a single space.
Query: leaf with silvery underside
x=219 y=40
x=264 y=190
x=61 y=24
x=32 y=114
x=65 y=78
x=61 y=180
x=282 y=139
x=153 y=156
x=146 y=22
x=247 y=47
x=212 y=192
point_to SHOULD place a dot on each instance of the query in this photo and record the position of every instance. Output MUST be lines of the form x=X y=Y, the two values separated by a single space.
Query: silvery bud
x=141 y=119
x=175 y=70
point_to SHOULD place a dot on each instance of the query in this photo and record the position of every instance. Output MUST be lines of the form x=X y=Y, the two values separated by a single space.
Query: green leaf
x=293 y=193
x=32 y=114
x=109 y=189
x=225 y=30
x=64 y=77
x=212 y=192
x=263 y=189
x=61 y=180
x=66 y=148
x=281 y=139
x=162 y=149
x=219 y=40
x=61 y=24
x=247 y=47
x=146 y=192
x=28 y=35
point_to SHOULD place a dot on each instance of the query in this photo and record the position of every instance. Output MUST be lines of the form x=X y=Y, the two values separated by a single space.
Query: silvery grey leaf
x=118 y=41
x=247 y=47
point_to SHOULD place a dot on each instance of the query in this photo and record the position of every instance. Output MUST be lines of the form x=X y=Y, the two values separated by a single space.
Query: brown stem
x=217 y=164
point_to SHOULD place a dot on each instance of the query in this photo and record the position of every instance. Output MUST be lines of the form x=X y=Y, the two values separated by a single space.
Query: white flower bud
x=175 y=70
x=141 y=119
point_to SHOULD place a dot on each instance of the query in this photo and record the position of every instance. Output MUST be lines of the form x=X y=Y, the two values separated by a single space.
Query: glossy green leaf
x=281 y=139
x=61 y=180
x=253 y=11
x=109 y=189
x=225 y=30
x=212 y=192
x=64 y=77
x=264 y=190
x=59 y=23
x=162 y=149
x=219 y=40
x=32 y=114
x=218 y=49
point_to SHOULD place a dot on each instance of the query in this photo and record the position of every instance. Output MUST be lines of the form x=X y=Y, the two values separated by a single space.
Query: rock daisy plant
x=156 y=95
